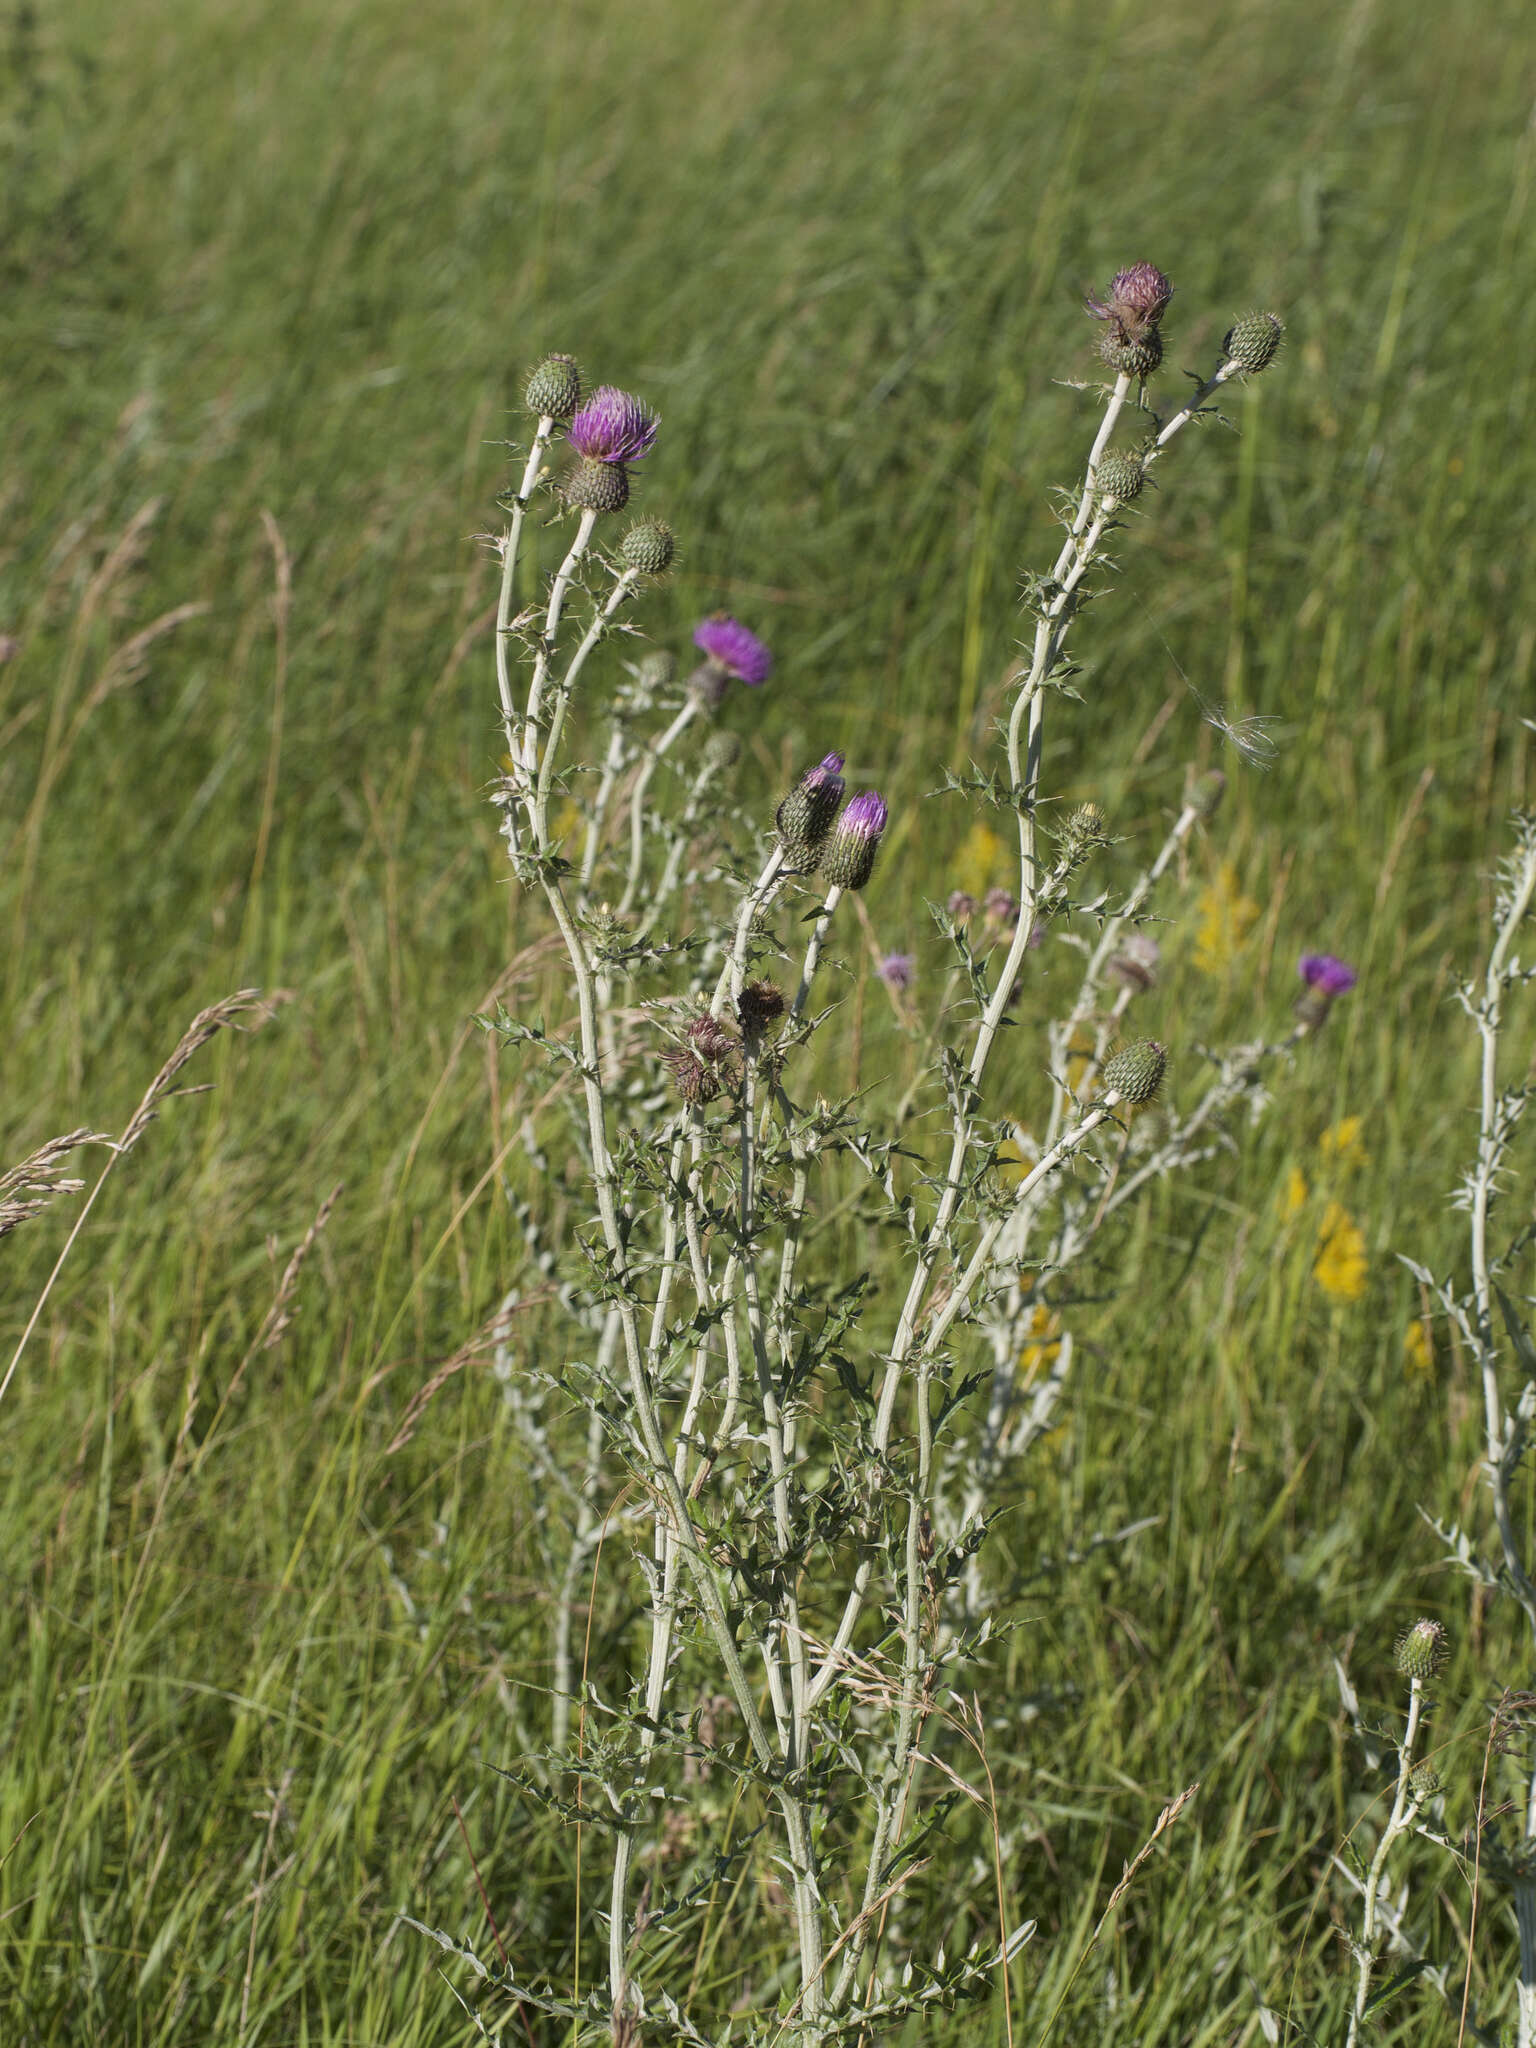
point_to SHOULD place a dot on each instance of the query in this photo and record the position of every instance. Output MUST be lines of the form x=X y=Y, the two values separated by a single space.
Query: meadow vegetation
x=274 y=1625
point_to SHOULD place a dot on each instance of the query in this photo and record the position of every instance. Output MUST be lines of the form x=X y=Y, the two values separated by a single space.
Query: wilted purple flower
x=1137 y=301
x=732 y=647
x=613 y=427
x=1326 y=978
x=896 y=970
x=1330 y=976
x=849 y=859
x=1135 y=965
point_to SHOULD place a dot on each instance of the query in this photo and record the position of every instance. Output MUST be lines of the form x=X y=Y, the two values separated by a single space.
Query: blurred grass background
x=269 y=281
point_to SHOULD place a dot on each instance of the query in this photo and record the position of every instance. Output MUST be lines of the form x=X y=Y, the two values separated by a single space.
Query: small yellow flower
x=1039 y=1351
x=1341 y=1141
x=976 y=862
x=1340 y=1266
x=1418 y=1347
x=1293 y=1196
x=1226 y=918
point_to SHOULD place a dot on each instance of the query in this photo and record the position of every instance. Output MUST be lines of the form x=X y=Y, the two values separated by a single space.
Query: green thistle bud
x=1424 y=1782
x=657 y=670
x=597 y=486
x=1082 y=832
x=1254 y=342
x=649 y=547
x=1135 y=1073
x=553 y=390
x=1421 y=1650
x=804 y=818
x=1203 y=793
x=1120 y=477
x=722 y=750
x=1137 y=356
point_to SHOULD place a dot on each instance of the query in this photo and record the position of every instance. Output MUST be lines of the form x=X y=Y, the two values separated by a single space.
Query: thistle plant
x=790 y=1458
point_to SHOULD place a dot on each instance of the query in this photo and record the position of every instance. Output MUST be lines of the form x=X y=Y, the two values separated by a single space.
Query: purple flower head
x=1329 y=976
x=828 y=770
x=613 y=427
x=1137 y=301
x=726 y=641
x=896 y=970
x=849 y=858
x=865 y=815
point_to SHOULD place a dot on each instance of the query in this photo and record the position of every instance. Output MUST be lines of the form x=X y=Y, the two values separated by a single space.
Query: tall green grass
x=290 y=263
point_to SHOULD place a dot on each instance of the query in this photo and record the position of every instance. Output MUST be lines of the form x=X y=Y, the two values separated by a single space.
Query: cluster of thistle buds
x=709 y=1059
x=818 y=832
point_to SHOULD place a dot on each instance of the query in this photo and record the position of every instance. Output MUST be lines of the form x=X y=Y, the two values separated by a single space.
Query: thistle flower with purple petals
x=1327 y=978
x=613 y=427
x=896 y=971
x=804 y=818
x=1137 y=301
x=738 y=651
x=849 y=858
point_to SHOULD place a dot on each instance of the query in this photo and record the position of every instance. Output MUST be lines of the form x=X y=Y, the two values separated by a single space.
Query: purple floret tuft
x=865 y=815
x=613 y=427
x=1330 y=976
x=728 y=642
x=896 y=970
x=1137 y=300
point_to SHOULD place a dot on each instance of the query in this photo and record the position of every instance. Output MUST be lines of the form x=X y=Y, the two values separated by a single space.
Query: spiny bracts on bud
x=1424 y=1782
x=1120 y=477
x=553 y=390
x=695 y=1083
x=1421 y=1650
x=649 y=547
x=1080 y=834
x=722 y=750
x=598 y=487
x=848 y=859
x=1135 y=1073
x=1203 y=792
x=1254 y=342
x=1134 y=358
x=760 y=1004
x=710 y=1039
x=657 y=669
x=804 y=818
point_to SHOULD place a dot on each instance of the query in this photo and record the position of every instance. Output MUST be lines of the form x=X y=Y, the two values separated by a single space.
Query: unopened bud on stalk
x=1424 y=1782
x=1120 y=477
x=1203 y=792
x=848 y=860
x=1327 y=979
x=1135 y=1073
x=804 y=818
x=1082 y=832
x=657 y=669
x=722 y=751
x=1254 y=342
x=1133 y=358
x=649 y=547
x=1422 y=1649
x=553 y=390
x=597 y=487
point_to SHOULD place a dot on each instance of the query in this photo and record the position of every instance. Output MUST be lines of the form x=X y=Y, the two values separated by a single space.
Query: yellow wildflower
x=1418 y=1346
x=1340 y=1266
x=1039 y=1352
x=1341 y=1141
x=1226 y=918
x=1293 y=1195
x=977 y=860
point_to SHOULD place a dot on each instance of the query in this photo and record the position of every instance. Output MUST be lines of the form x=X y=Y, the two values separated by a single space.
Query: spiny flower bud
x=1421 y=1650
x=598 y=487
x=1137 y=356
x=553 y=390
x=695 y=1083
x=804 y=818
x=1082 y=832
x=722 y=751
x=710 y=1039
x=1135 y=1073
x=1120 y=477
x=1138 y=299
x=849 y=857
x=760 y=1004
x=649 y=547
x=1254 y=342
x=1203 y=793
x=1424 y=1782
x=657 y=669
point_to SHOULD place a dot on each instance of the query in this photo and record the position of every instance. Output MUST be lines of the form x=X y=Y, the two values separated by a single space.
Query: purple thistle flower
x=805 y=816
x=849 y=859
x=1137 y=301
x=613 y=427
x=962 y=905
x=1329 y=976
x=896 y=970
x=732 y=647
